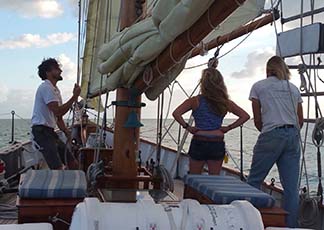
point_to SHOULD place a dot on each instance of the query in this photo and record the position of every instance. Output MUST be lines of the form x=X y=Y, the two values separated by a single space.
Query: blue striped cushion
x=40 y=184
x=225 y=189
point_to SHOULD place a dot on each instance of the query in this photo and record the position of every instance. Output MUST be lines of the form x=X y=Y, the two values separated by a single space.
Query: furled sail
x=126 y=55
x=245 y=13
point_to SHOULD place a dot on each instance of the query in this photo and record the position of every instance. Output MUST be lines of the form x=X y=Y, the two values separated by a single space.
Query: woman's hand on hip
x=192 y=130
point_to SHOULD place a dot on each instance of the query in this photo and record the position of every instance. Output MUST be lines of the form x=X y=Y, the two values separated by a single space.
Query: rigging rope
x=159 y=130
x=308 y=212
x=223 y=55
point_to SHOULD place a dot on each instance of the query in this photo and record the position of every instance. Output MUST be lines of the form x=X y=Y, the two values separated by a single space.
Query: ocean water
x=171 y=133
x=21 y=131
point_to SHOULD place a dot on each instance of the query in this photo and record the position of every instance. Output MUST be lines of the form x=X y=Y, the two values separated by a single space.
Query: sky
x=32 y=30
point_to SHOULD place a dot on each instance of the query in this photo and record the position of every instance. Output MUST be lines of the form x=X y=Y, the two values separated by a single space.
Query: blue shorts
x=201 y=150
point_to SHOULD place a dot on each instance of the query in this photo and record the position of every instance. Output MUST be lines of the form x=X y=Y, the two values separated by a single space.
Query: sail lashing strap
x=189 y=40
x=148 y=76
x=171 y=55
x=168 y=211
x=209 y=21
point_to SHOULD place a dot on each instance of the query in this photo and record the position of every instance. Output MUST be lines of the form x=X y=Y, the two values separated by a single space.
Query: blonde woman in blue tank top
x=209 y=109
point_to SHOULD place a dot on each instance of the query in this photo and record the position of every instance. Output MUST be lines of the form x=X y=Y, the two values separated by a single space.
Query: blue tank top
x=205 y=118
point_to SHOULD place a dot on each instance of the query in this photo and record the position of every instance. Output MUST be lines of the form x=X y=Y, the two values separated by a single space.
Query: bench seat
x=45 y=184
x=225 y=189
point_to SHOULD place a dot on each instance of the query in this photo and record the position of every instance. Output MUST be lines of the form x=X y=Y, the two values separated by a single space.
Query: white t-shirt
x=278 y=102
x=45 y=94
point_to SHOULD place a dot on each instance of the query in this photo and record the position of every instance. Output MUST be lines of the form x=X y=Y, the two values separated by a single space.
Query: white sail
x=102 y=23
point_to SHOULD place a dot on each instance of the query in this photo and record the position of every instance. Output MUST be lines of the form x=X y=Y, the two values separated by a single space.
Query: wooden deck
x=8 y=199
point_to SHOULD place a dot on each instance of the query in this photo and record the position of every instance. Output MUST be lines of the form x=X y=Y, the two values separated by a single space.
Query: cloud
x=69 y=68
x=3 y=92
x=34 y=8
x=254 y=64
x=73 y=4
x=19 y=100
x=35 y=40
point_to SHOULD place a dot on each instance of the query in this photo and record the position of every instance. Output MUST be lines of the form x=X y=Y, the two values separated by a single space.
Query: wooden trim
x=35 y=211
x=126 y=182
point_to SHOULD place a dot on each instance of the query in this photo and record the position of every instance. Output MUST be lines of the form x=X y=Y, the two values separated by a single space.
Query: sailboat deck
x=8 y=199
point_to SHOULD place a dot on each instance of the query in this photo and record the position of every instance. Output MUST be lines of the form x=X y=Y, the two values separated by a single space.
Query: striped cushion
x=40 y=184
x=225 y=189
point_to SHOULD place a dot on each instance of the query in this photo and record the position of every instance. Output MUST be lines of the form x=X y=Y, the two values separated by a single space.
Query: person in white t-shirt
x=278 y=115
x=48 y=113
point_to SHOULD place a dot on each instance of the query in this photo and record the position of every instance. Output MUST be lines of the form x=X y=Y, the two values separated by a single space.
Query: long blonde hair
x=276 y=66
x=213 y=88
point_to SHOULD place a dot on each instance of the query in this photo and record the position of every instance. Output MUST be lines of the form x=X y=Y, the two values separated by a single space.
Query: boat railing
x=13 y=118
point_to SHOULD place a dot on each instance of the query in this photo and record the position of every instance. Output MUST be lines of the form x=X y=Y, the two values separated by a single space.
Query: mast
x=126 y=140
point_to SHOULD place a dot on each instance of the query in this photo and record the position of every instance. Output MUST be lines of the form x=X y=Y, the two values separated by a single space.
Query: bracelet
x=185 y=126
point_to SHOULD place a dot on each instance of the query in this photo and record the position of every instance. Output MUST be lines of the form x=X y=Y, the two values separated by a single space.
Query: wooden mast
x=265 y=20
x=217 y=13
x=125 y=139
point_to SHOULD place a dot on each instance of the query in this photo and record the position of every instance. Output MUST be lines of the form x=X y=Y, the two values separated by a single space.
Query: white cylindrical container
x=146 y=215
x=275 y=228
x=38 y=226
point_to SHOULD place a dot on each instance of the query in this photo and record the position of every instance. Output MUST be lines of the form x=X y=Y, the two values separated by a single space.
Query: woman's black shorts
x=202 y=150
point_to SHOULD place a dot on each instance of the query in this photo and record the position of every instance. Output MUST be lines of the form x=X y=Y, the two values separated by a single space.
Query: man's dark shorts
x=52 y=148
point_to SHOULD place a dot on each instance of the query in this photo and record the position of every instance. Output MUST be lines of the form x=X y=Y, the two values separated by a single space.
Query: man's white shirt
x=45 y=94
x=279 y=99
